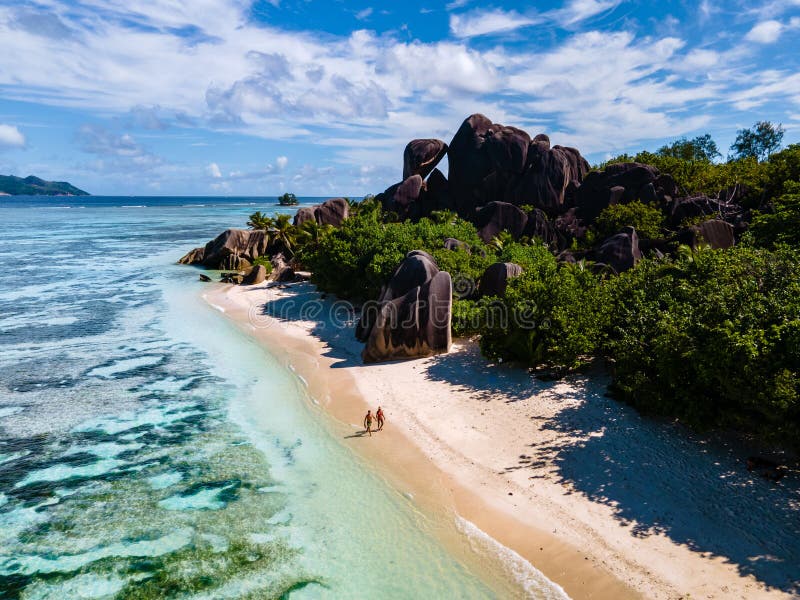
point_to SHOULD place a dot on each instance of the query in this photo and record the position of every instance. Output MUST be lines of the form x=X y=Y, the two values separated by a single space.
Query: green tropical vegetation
x=287 y=199
x=711 y=337
x=648 y=220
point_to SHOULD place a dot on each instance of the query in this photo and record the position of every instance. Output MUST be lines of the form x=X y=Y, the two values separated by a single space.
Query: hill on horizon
x=34 y=186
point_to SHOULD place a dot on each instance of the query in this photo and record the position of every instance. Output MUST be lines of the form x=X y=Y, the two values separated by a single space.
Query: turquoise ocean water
x=150 y=450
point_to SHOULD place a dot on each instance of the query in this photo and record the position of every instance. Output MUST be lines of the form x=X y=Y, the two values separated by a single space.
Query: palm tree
x=285 y=233
x=259 y=220
x=312 y=232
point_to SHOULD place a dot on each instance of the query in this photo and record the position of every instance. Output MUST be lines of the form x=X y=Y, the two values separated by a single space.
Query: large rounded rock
x=617 y=183
x=193 y=257
x=415 y=269
x=541 y=228
x=469 y=163
x=454 y=244
x=414 y=325
x=507 y=148
x=331 y=212
x=714 y=232
x=303 y=215
x=403 y=198
x=232 y=249
x=545 y=181
x=494 y=280
x=621 y=251
x=412 y=315
x=500 y=216
x=256 y=275
x=422 y=156
x=579 y=166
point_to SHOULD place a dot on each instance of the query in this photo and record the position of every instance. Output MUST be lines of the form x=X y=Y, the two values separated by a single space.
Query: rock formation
x=233 y=249
x=331 y=212
x=500 y=216
x=422 y=156
x=412 y=315
x=714 y=232
x=618 y=183
x=281 y=271
x=404 y=198
x=494 y=280
x=454 y=244
x=256 y=275
x=621 y=251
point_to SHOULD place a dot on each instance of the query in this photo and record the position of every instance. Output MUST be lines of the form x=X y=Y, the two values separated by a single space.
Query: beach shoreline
x=500 y=463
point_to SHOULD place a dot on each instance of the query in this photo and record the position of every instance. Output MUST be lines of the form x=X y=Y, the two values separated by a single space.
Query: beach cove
x=603 y=501
x=146 y=445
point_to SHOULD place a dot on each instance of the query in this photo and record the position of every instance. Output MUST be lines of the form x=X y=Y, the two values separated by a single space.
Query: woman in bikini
x=379 y=418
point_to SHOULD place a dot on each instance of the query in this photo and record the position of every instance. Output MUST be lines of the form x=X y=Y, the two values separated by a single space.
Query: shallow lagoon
x=148 y=449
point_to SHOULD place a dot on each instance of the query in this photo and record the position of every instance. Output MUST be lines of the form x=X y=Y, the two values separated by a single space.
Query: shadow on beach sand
x=659 y=478
x=466 y=369
x=305 y=305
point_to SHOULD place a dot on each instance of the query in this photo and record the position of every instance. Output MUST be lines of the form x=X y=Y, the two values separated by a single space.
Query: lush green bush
x=648 y=220
x=782 y=226
x=712 y=338
x=357 y=259
x=552 y=316
x=781 y=169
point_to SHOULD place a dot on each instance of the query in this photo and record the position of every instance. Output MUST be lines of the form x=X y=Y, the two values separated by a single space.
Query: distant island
x=288 y=199
x=33 y=186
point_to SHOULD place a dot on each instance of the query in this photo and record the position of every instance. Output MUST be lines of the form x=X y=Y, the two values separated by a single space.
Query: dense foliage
x=287 y=199
x=782 y=225
x=712 y=337
x=648 y=220
x=355 y=260
x=551 y=316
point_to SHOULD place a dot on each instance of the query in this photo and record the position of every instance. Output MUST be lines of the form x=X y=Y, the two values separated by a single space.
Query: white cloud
x=485 y=22
x=364 y=14
x=576 y=11
x=115 y=152
x=765 y=32
x=10 y=135
x=213 y=170
x=281 y=162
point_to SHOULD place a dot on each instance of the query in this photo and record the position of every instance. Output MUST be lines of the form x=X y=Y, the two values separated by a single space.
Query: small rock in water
x=204 y=277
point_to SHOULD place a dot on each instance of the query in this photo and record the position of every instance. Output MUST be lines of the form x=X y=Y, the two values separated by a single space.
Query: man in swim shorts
x=368 y=423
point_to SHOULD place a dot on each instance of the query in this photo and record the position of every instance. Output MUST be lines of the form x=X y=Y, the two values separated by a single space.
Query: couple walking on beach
x=369 y=418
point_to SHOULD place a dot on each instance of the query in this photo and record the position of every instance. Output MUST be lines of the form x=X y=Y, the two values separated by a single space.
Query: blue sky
x=231 y=97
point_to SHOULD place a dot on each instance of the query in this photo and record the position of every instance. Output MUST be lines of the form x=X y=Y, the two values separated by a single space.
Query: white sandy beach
x=604 y=502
